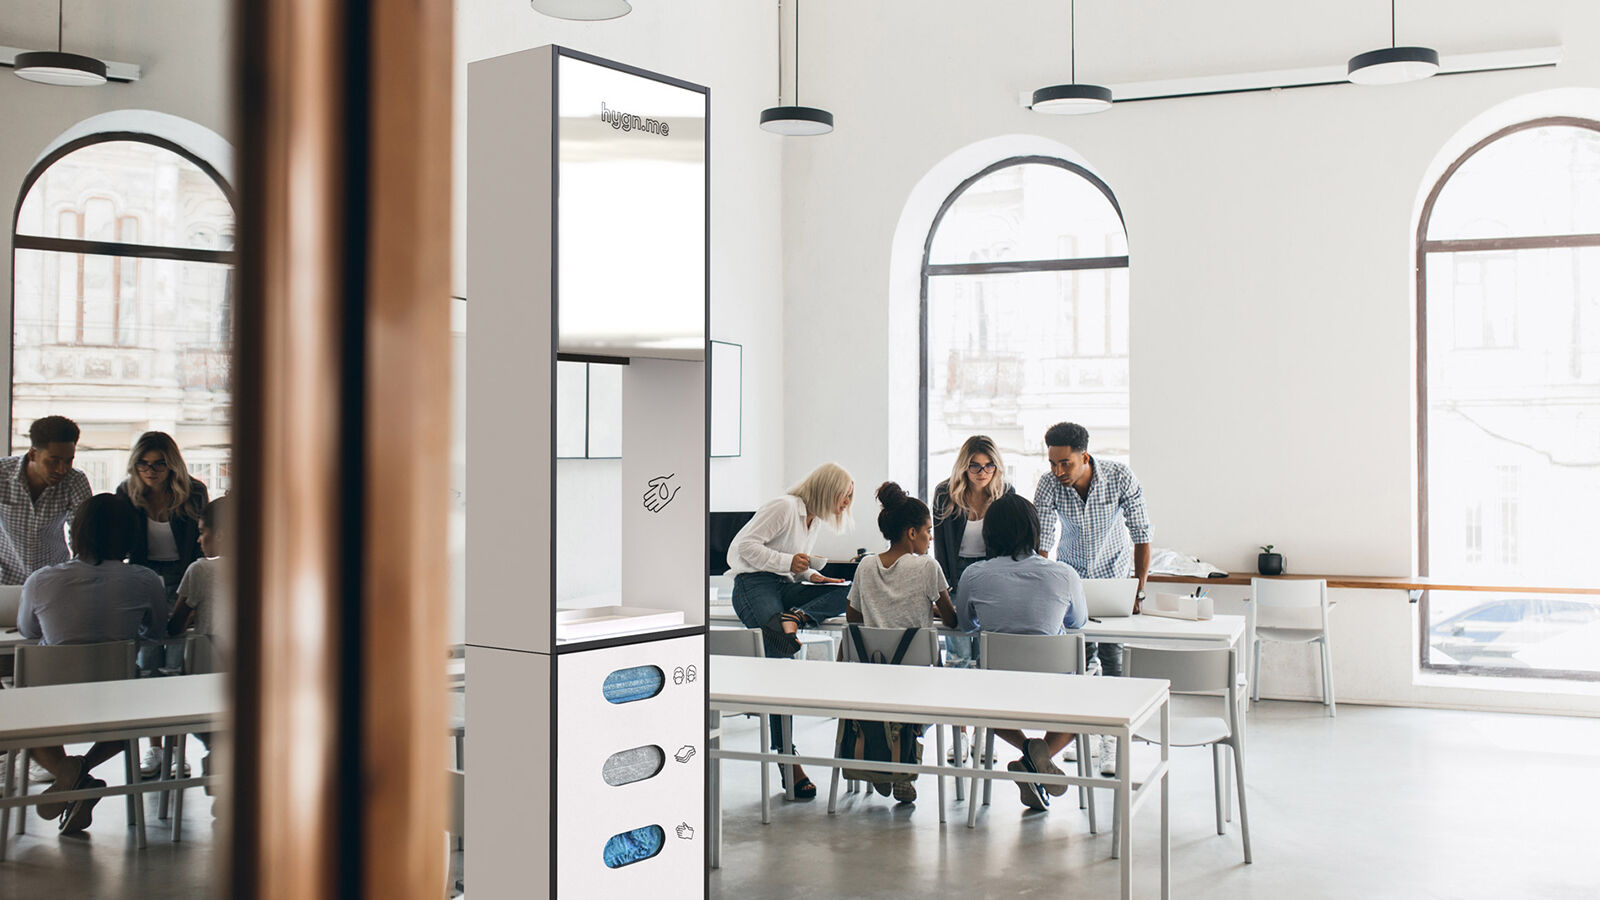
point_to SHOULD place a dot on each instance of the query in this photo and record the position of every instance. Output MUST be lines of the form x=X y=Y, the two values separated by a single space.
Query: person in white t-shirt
x=901 y=587
x=197 y=592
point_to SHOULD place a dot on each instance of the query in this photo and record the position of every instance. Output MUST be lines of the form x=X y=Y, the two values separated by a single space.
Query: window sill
x=1507 y=684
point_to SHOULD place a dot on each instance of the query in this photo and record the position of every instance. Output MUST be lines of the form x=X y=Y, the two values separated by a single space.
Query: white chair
x=10 y=601
x=1059 y=653
x=1209 y=672
x=880 y=645
x=40 y=665
x=1290 y=610
x=743 y=642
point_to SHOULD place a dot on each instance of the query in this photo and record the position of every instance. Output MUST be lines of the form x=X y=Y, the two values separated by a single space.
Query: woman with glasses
x=166 y=535
x=959 y=505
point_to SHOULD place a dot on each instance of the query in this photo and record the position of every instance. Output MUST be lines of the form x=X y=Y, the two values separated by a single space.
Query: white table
x=9 y=640
x=1218 y=631
x=984 y=698
x=107 y=711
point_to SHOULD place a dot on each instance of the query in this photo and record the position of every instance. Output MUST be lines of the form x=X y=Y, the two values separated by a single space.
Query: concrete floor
x=1377 y=803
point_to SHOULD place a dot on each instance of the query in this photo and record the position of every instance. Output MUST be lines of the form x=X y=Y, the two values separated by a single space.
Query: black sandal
x=788 y=643
x=803 y=789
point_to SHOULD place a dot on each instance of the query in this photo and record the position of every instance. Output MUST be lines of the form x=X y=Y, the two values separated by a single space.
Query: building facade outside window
x=1024 y=317
x=1508 y=269
x=122 y=303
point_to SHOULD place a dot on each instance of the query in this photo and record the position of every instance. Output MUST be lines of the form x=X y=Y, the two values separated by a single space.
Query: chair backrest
x=199 y=655
x=1059 y=653
x=1288 y=603
x=1189 y=671
x=39 y=665
x=10 y=600
x=882 y=642
x=735 y=642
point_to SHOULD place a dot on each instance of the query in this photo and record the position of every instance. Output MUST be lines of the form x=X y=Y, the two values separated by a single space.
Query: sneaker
x=1108 y=756
x=151 y=764
x=1031 y=798
x=38 y=774
x=205 y=769
x=72 y=777
x=1039 y=754
x=883 y=788
x=1070 y=753
x=81 y=812
x=905 y=792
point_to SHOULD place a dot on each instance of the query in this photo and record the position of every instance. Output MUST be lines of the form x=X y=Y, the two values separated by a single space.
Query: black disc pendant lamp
x=1072 y=99
x=793 y=120
x=59 y=68
x=1392 y=64
x=583 y=10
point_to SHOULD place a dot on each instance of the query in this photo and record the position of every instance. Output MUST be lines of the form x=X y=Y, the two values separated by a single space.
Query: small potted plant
x=1269 y=563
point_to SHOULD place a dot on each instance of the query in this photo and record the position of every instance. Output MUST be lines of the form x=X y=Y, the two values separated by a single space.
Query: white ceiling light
x=793 y=120
x=1072 y=99
x=58 y=68
x=1392 y=64
x=583 y=10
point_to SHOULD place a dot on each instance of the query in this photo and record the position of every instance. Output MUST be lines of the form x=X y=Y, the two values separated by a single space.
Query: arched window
x=1024 y=316
x=1508 y=345
x=121 y=307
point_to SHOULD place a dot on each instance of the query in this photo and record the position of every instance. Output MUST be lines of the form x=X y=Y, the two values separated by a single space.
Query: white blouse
x=163 y=547
x=972 y=540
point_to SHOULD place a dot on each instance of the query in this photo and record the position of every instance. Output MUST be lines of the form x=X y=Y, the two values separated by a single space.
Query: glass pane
x=572 y=391
x=1539 y=181
x=1513 y=423
x=125 y=346
x=1005 y=357
x=1028 y=212
x=159 y=197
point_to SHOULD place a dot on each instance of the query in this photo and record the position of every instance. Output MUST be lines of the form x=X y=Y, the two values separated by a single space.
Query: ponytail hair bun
x=901 y=512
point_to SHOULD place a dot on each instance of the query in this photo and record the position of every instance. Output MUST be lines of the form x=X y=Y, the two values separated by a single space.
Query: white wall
x=183 y=48
x=1271 y=278
x=728 y=46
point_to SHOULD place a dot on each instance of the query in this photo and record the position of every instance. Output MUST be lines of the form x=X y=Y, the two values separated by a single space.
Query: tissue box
x=1179 y=606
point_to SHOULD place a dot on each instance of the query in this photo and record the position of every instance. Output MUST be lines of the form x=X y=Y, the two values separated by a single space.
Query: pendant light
x=1072 y=99
x=583 y=10
x=1392 y=64
x=58 y=68
x=793 y=120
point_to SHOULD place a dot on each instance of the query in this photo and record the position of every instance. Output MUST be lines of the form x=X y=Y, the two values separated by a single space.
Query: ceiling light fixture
x=1072 y=99
x=793 y=120
x=583 y=10
x=59 y=68
x=1392 y=64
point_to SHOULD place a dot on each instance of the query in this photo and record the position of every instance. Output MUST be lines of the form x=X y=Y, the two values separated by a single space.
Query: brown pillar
x=342 y=449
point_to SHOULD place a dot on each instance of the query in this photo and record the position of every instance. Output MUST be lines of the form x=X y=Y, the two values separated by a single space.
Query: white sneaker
x=1108 y=756
x=1070 y=754
x=39 y=774
x=151 y=764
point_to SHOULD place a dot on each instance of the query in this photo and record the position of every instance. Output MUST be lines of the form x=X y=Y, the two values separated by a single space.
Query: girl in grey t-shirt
x=902 y=587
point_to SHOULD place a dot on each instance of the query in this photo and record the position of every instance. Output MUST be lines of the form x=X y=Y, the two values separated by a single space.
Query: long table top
x=1380 y=583
x=1220 y=631
x=926 y=694
x=101 y=710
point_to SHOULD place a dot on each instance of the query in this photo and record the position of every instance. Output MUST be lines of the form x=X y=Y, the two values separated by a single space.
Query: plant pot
x=1269 y=563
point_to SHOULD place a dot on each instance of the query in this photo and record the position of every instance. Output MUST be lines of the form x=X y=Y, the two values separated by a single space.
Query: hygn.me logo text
x=630 y=122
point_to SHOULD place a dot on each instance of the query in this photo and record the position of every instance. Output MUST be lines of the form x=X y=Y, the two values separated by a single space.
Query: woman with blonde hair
x=959 y=505
x=775 y=586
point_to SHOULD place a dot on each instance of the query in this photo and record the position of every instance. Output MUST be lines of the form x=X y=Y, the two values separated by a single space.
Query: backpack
x=883 y=741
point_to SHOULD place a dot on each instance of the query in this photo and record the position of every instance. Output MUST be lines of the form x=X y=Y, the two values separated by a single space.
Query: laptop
x=1110 y=598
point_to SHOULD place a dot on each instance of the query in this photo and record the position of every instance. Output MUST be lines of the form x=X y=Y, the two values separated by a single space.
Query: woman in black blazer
x=959 y=505
x=166 y=538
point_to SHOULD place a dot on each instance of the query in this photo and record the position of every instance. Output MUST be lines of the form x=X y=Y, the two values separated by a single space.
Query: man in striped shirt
x=1104 y=531
x=39 y=492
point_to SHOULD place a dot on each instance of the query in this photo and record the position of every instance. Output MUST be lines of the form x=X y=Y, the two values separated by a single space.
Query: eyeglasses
x=159 y=465
x=975 y=469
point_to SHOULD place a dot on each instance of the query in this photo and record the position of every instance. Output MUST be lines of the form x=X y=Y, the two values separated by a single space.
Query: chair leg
x=958 y=735
x=22 y=817
x=972 y=790
x=1216 y=784
x=131 y=752
x=5 y=814
x=1244 y=814
x=1255 y=671
x=939 y=737
x=766 y=772
x=1083 y=748
x=833 y=792
x=988 y=760
x=1327 y=675
x=177 y=803
x=1085 y=771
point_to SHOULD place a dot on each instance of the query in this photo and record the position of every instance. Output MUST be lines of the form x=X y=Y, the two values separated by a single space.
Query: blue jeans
x=758 y=596
x=1110 y=657
x=963 y=651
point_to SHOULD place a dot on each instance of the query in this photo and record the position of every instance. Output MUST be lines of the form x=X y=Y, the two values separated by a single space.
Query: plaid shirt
x=1100 y=529
x=32 y=532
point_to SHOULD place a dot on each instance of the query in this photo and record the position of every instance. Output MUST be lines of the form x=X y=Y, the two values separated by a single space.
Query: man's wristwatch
x=1139 y=597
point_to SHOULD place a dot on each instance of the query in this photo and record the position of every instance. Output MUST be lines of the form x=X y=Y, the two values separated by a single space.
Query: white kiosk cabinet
x=586 y=602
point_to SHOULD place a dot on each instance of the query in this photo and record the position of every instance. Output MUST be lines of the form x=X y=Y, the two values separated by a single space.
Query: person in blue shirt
x=1018 y=591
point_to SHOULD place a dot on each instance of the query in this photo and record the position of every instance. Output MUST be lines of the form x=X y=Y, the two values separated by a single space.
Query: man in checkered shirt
x=39 y=492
